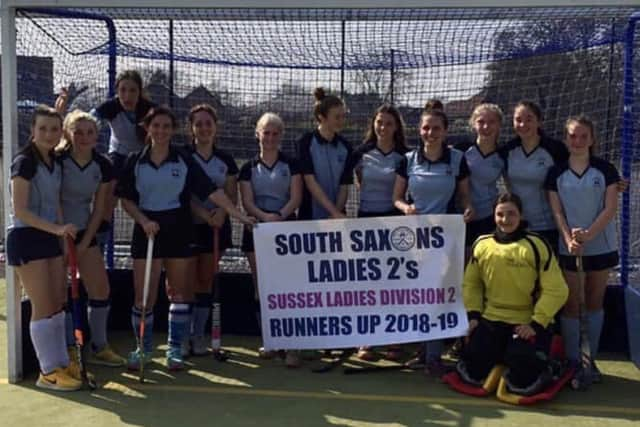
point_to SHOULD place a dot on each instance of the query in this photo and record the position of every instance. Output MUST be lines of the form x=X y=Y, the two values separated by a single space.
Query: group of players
x=522 y=245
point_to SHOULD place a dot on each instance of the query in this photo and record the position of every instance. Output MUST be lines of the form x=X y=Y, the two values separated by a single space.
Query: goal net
x=246 y=62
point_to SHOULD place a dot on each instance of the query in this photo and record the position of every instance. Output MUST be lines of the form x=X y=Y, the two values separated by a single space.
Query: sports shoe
x=596 y=375
x=73 y=370
x=366 y=354
x=106 y=357
x=453 y=353
x=58 y=380
x=393 y=353
x=199 y=345
x=185 y=348
x=134 y=358
x=175 y=362
x=417 y=361
x=581 y=378
x=266 y=354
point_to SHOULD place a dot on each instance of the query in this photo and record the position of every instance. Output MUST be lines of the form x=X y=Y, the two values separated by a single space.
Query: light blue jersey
x=526 y=174
x=163 y=187
x=583 y=199
x=485 y=171
x=432 y=185
x=79 y=185
x=218 y=167
x=376 y=174
x=271 y=185
x=44 y=185
x=127 y=134
x=328 y=162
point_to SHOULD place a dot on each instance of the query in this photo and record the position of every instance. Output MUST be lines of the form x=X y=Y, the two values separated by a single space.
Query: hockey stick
x=583 y=379
x=77 y=313
x=216 y=326
x=145 y=298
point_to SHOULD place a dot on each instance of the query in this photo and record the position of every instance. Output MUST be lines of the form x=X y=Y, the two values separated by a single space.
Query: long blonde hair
x=68 y=126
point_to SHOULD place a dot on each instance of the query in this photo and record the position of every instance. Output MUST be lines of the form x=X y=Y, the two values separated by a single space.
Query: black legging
x=493 y=342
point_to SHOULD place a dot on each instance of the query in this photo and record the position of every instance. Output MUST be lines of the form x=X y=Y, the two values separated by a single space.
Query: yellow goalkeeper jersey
x=514 y=280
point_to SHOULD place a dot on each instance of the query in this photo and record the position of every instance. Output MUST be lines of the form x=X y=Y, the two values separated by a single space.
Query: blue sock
x=58 y=340
x=179 y=314
x=98 y=314
x=596 y=319
x=136 y=314
x=571 y=337
x=200 y=314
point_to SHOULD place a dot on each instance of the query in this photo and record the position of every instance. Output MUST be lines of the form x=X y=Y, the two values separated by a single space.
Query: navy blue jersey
x=271 y=186
x=583 y=198
x=218 y=167
x=44 y=184
x=432 y=185
x=485 y=171
x=376 y=172
x=526 y=174
x=164 y=187
x=127 y=134
x=328 y=162
x=79 y=185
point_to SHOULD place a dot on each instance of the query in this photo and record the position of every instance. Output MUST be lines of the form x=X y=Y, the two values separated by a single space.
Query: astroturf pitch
x=247 y=391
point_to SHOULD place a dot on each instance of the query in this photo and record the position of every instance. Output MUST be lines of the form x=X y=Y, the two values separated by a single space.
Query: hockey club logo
x=403 y=238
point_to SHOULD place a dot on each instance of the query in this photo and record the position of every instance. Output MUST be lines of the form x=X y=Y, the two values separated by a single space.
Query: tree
x=567 y=66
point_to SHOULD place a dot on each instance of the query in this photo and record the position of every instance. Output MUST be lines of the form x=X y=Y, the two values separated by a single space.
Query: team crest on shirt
x=175 y=172
x=597 y=182
x=542 y=163
x=284 y=173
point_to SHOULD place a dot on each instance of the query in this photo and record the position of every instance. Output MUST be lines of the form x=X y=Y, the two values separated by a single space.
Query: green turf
x=247 y=391
x=250 y=391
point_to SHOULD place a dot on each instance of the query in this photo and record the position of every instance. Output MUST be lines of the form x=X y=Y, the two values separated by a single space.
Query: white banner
x=354 y=282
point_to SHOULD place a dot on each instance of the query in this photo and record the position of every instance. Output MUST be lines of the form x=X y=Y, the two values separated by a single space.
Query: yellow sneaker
x=58 y=380
x=73 y=370
x=107 y=357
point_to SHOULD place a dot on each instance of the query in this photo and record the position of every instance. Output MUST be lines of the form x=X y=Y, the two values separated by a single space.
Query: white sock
x=42 y=332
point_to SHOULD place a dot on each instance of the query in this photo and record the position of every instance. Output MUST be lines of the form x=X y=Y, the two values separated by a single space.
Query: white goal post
x=10 y=96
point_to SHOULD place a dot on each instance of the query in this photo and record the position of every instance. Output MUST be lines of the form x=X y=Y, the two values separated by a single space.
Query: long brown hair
x=586 y=122
x=399 y=139
x=135 y=77
x=207 y=108
x=68 y=126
